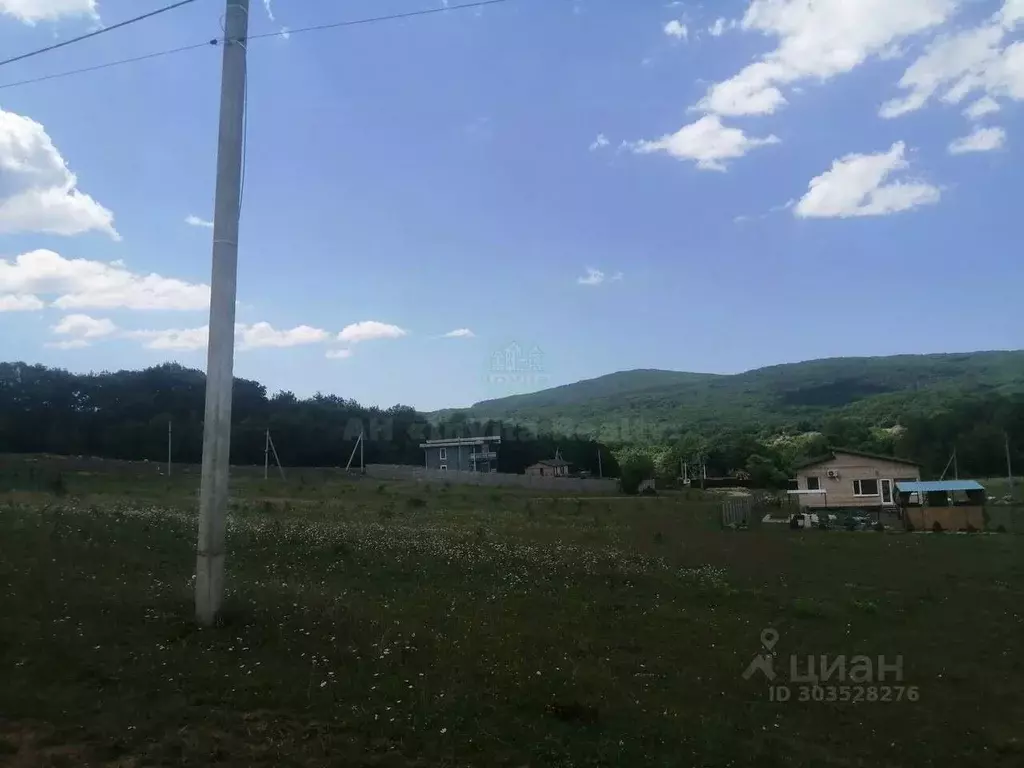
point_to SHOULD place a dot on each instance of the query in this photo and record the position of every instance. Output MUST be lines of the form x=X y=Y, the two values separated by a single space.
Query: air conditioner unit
x=833 y=474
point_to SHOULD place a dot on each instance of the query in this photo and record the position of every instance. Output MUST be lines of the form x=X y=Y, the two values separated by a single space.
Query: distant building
x=852 y=479
x=462 y=454
x=556 y=467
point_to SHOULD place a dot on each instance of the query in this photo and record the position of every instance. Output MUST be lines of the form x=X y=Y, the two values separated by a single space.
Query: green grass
x=373 y=624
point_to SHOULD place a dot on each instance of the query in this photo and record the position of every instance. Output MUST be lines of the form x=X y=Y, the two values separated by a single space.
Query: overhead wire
x=109 y=64
x=374 y=19
x=96 y=32
x=218 y=41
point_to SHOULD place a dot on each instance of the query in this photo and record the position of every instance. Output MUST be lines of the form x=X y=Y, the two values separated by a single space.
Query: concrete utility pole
x=266 y=455
x=1009 y=467
x=213 y=490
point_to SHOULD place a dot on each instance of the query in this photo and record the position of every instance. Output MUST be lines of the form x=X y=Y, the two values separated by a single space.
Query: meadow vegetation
x=388 y=624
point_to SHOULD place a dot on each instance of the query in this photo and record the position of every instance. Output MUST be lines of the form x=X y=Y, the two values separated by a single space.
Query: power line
x=109 y=64
x=374 y=19
x=96 y=33
x=217 y=41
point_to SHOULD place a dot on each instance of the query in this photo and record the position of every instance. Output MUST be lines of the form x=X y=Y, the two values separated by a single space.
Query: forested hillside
x=879 y=390
x=124 y=415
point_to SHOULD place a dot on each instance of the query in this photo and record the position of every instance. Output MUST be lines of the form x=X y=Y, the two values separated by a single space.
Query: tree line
x=125 y=415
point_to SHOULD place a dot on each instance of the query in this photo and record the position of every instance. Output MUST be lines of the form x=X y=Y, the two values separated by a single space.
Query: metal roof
x=451 y=442
x=862 y=454
x=930 y=486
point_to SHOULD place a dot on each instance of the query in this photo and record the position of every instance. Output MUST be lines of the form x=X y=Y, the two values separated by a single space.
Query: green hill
x=876 y=388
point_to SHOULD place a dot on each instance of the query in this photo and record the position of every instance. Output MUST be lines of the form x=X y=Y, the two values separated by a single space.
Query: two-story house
x=462 y=454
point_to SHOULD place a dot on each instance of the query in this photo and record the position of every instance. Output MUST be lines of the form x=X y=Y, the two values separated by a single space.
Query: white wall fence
x=421 y=474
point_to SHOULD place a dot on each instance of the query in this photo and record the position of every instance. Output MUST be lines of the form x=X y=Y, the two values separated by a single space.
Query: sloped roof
x=931 y=486
x=552 y=463
x=832 y=454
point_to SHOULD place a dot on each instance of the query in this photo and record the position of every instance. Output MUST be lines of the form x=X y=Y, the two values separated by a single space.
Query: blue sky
x=618 y=185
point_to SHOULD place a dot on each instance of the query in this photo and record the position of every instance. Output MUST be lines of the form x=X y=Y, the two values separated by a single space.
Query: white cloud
x=981 y=140
x=264 y=335
x=369 y=330
x=37 y=191
x=269 y=6
x=173 y=338
x=818 y=40
x=721 y=26
x=84 y=284
x=31 y=11
x=20 y=302
x=677 y=29
x=460 y=333
x=958 y=65
x=856 y=186
x=260 y=335
x=986 y=105
x=597 y=277
x=338 y=354
x=707 y=142
x=599 y=143
x=84 y=327
x=195 y=221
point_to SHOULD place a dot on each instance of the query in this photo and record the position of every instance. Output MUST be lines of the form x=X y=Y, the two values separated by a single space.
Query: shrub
x=635 y=470
x=936 y=527
x=415 y=502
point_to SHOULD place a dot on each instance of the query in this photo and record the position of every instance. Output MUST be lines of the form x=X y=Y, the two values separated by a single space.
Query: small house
x=556 y=467
x=462 y=454
x=852 y=479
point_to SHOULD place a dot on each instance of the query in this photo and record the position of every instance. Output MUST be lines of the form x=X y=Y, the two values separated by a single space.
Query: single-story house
x=852 y=479
x=556 y=467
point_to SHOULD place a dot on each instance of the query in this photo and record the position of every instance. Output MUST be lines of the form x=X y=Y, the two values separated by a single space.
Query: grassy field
x=374 y=624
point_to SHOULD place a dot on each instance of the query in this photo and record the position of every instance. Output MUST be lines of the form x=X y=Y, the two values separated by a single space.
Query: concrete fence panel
x=536 y=482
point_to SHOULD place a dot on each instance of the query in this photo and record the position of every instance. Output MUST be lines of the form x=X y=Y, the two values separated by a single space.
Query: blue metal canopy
x=931 y=486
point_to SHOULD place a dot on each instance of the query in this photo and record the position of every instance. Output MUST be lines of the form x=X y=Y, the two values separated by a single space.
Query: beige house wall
x=839 y=492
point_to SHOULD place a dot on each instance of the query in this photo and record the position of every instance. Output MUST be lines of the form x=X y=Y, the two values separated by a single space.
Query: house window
x=443 y=467
x=865 y=487
x=443 y=454
x=813 y=484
